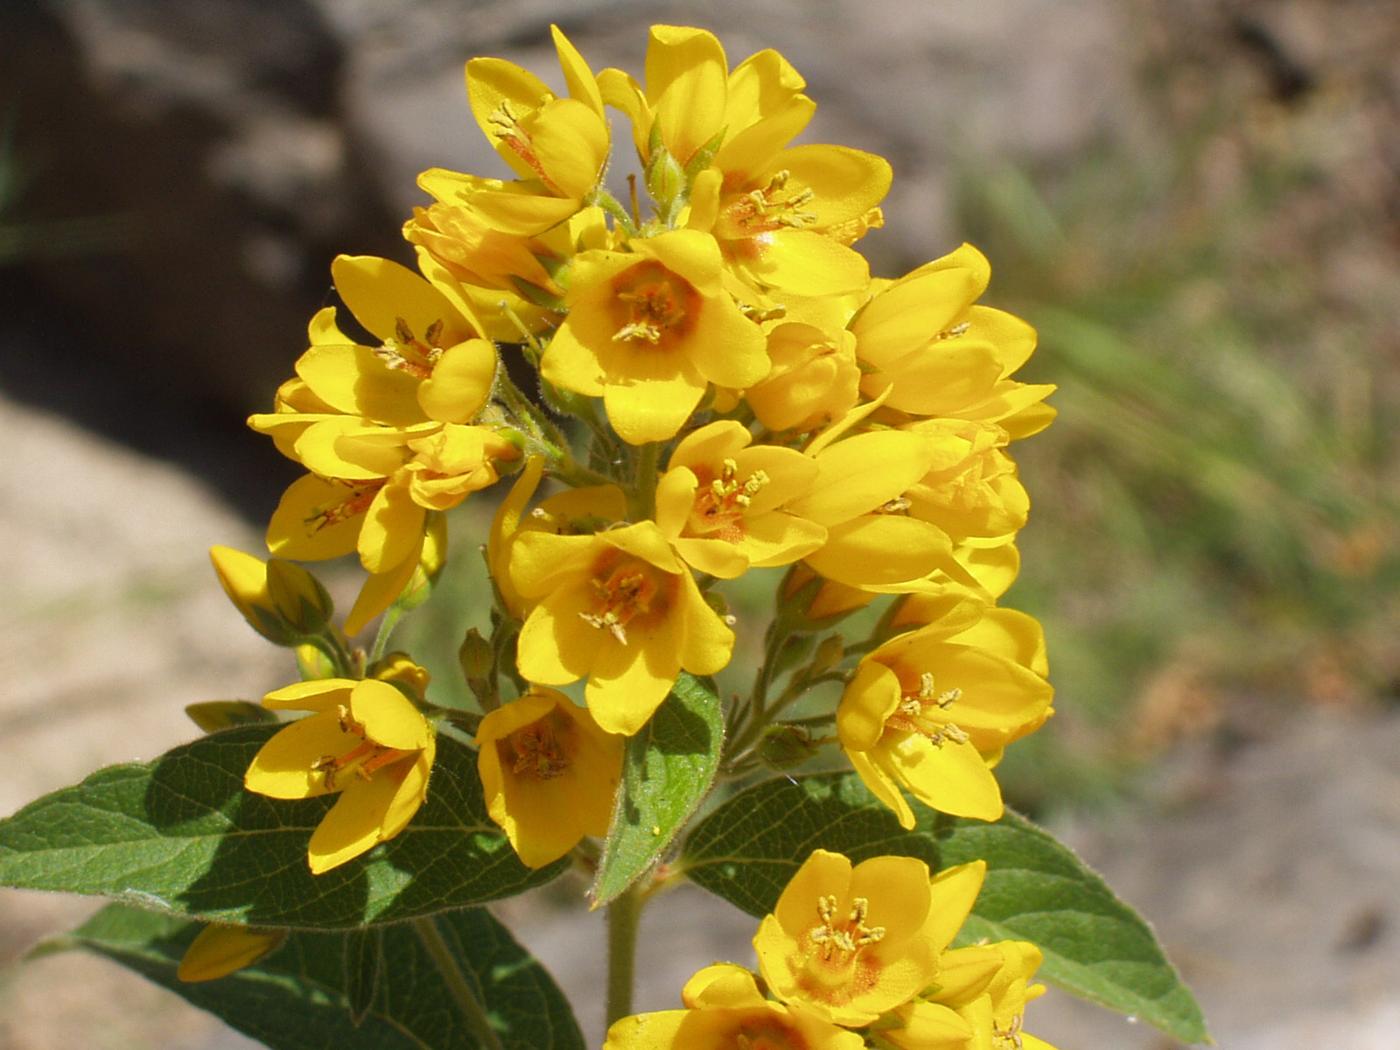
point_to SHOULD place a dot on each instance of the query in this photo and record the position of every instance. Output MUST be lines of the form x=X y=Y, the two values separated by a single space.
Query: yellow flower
x=219 y=950
x=982 y=993
x=852 y=943
x=814 y=378
x=870 y=540
x=725 y=1010
x=364 y=740
x=971 y=491
x=649 y=329
x=558 y=145
x=430 y=362
x=372 y=491
x=620 y=608
x=723 y=502
x=549 y=773
x=280 y=600
x=931 y=352
x=931 y=710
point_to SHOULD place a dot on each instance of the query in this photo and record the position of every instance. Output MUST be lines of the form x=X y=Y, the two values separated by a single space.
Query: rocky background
x=1195 y=200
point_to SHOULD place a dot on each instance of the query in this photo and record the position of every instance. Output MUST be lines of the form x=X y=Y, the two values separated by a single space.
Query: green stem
x=392 y=616
x=458 y=986
x=623 y=915
x=613 y=207
x=645 y=478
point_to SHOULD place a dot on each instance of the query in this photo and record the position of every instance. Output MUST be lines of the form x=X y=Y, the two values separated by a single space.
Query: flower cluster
x=746 y=396
x=857 y=953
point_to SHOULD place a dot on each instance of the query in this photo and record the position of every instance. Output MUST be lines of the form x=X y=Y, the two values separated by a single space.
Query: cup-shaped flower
x=430 y=362
x=814 y=378
x=620 y=608
x=559 y=146
x=724 y=1010
x=932 y=710
x=649 y=329
x=851 y=943
x=548 y=772
x=723 y=501
x=363 y=740
x=933 y=352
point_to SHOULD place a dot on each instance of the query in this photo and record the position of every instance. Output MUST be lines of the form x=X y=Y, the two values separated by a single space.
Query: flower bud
x=786 y=746
x=214 y=715
x=475 y=656
x=221 y=950
x=280 y=600
x=399 y=670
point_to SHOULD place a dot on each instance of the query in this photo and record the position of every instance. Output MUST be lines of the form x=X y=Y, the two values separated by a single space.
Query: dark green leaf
x=363 y=956
x=1036 y=890
x=668 y=769
x=296 y=999
x=181 y=834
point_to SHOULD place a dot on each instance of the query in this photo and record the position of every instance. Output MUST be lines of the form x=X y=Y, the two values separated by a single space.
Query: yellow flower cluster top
x=697 y=383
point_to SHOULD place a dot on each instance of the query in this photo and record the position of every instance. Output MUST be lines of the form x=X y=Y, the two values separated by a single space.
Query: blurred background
x=1196 y=202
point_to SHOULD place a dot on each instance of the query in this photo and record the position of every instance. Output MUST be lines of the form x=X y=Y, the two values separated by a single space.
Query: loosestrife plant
x=672 y=389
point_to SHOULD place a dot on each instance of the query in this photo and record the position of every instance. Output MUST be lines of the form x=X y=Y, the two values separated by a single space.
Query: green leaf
x=364 y=954
x=1036 y=890
x=181 y=834
x=666 y=772
x=297 y=999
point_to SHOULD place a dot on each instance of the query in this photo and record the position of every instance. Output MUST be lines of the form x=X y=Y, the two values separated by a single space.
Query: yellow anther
x=957 y=330
x=1009 y=1036
x=626 y=593
x=917 y=710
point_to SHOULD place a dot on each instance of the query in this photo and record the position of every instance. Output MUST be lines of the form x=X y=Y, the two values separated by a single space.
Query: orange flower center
x=363 y=760
x=538 y=751
x=922 y=710
x=721 y=502
x=652 y=303
x=838 y=966
x=405 y=352
x=767 y=1035
x=509 y=125
x=357 y=501
x=623 y=589
x=773 y=207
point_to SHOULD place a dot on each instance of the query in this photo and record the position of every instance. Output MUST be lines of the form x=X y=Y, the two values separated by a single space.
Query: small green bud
x=475 y=656
x=298 y=596
x=214 y=715
x=828 y=654
x=785 y=746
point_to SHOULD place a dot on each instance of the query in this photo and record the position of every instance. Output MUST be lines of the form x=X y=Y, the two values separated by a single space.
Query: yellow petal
x=870 y=698
x=355 y=380
x=707 y=643
x=909 y=313
x=493 y=83
x=411 y=792
x=847 y=182
x=579 y=78
x=952 y=894
x=649 y=395
x=392 y=530
x=388 y=717
x=805 y=263
x=646 y=541
x=951 y=778
x=847 y=486
x=556 y=646
x=219 y=950
x=282 y=766
x=324 y=694
x=686 y=75
x=355 y=823
x=881 y=550
x=628 y=682
x=571 y=364
x=461 y=382
x=295 y=530
x=727 y=348
x=380 y=293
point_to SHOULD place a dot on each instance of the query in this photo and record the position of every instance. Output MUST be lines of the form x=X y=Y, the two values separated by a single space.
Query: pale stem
x=458 y=986
x=623 y=915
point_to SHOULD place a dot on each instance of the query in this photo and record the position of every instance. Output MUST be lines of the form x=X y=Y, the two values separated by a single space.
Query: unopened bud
x=280 y=600
x=786 y=746
x=214 y=715
x=221 y=950
x=828 y=654
x=666 y=179
x=399 y=670
x=475 y=656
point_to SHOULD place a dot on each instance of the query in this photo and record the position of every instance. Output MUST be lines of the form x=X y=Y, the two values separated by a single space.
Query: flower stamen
x=625 y=594
x=847 y=937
